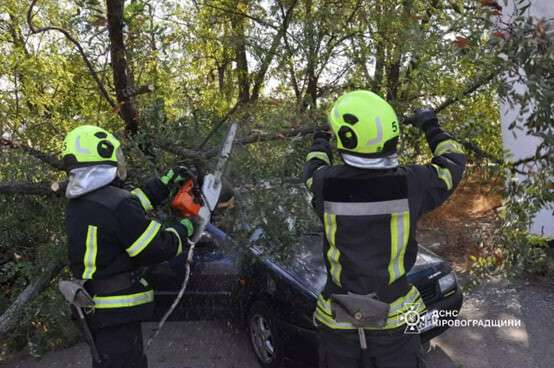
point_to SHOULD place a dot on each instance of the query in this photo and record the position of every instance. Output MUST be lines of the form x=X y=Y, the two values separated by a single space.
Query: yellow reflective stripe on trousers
x=444 y=175
x=142 y=242
x=320 y=156
x=411 y=301
x=333 y=253
x=399 y=231
x=447 y=146
x=143 y=198
x=123 y=301
x=91 y=251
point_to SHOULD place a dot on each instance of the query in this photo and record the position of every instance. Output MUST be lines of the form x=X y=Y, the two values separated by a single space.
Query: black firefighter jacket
x=369 y=218
x=110 y=237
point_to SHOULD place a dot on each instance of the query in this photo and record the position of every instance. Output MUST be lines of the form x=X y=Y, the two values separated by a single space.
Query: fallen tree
x=12 y=316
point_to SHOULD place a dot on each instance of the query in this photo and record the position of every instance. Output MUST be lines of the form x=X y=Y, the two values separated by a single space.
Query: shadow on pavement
x=220 y=345
x=438 y=358
x=527 y=344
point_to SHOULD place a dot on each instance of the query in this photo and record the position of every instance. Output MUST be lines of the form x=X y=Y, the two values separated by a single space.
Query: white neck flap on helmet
x=388 y=162
x=83 y=180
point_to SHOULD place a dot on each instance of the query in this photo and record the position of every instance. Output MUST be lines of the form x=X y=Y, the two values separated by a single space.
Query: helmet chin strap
x=121 y=173
x=387 y=162
x=121 y=165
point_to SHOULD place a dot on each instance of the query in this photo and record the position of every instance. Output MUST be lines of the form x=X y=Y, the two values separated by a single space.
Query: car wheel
x=264 y=336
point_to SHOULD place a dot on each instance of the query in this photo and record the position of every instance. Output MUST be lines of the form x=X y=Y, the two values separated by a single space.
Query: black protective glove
x=176 y=177
x=187 y=227
x=423 y=119
x=184 y=228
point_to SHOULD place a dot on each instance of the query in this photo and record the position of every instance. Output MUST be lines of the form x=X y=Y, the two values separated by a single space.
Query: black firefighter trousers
x=120 y=346
x=385 y=349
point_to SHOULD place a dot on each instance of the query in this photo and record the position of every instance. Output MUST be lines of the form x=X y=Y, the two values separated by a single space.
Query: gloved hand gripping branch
x=427 y=120
x=423 y=119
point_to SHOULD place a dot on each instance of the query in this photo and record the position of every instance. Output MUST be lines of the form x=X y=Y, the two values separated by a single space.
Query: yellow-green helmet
x=365 y=125
x=90 y=145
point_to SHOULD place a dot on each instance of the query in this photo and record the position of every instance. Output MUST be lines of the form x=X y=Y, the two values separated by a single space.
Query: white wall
x=522 y=146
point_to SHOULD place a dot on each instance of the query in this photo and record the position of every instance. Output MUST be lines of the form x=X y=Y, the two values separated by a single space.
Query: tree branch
x=44 y=189
x=76 y=43
x=260 y=137
x=475 y=149
x=530 y=159
x=290 y=58
x=133 y=91
x=259 y=78
x=181 y=151
x=474 y=87
x=11 y=317
x=47 y=158
x=257 y=137
x=218 y=125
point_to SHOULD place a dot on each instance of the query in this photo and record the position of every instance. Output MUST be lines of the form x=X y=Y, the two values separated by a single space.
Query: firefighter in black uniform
x=110 y=237
x=369 y=207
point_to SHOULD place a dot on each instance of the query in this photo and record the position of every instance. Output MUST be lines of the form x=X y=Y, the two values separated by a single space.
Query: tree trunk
x=239 y=42
x=11 y=317
x=379 y=50
x=46 y=189
x=122 y=80
x=310 y=98
x=393 y=74
x=259 y=79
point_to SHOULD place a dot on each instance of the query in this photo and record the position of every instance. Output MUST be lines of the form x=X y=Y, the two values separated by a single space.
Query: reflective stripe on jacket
x=369 y=218
x=109 y=234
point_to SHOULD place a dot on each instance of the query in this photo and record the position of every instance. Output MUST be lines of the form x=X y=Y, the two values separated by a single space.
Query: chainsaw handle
x=185 y=201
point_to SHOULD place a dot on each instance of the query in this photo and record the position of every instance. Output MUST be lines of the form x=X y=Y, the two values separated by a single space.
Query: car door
x=214 y=275
x=214 y=279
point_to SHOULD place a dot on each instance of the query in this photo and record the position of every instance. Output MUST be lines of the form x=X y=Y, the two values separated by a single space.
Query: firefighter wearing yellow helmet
x=110 y=237
x=369 y=207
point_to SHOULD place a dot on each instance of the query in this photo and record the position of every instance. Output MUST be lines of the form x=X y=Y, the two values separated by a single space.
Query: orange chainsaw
x=198 y=201
x=188 y=200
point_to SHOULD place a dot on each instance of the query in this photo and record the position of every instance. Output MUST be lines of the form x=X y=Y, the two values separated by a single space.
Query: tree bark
x=45 y=189
x=47 y=158
x=80 y=49
x=121 y=78
x=239 y=41
x=310 y=98
x=393 y=74
x=260 y=75
x=12 y=316
x=379 y=50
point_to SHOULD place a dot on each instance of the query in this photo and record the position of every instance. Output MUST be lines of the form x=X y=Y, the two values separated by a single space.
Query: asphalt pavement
x=210 y=344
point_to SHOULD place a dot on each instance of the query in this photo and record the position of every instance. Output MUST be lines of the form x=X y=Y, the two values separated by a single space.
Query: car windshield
x=307 y=265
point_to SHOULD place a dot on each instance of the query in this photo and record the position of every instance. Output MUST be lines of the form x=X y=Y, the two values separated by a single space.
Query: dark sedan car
x=276 y=298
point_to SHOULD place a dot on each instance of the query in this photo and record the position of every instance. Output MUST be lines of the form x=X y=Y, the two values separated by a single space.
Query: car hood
x=308 y=267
